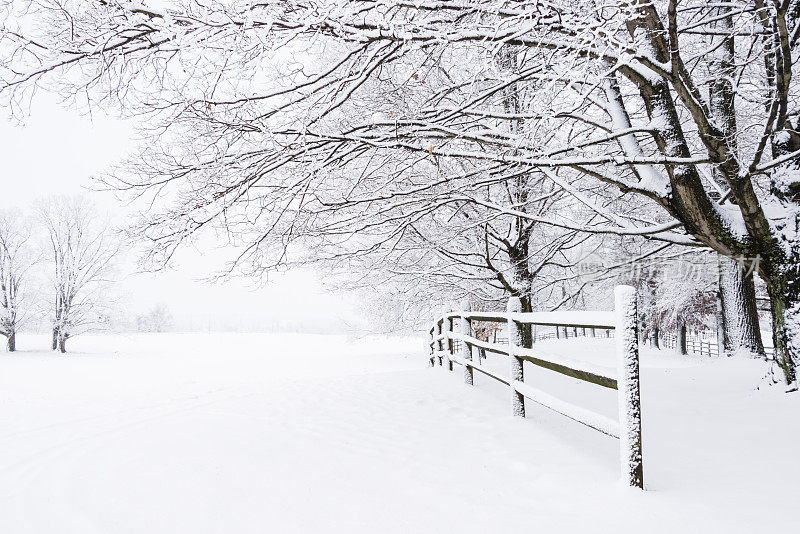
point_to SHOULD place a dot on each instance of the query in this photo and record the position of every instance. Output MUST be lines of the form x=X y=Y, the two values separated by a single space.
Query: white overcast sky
x=58 y=150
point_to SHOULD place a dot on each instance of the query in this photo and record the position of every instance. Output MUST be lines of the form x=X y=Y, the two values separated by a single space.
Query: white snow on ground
x=287 y=433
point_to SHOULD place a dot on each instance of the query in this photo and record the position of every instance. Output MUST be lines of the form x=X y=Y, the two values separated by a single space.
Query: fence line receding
x=448 y=347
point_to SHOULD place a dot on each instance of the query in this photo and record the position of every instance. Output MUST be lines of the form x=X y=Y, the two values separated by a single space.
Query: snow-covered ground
x=232 y=433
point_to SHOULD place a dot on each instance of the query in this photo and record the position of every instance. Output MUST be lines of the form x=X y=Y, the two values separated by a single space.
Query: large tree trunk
x=62 y=344
x=720 y=319
x=519 y=252
x=739 y=312
x=55 y=338
x=11 y=344
x=785 y=308
x=781 y=267
x=689 y=201
x=526 y=331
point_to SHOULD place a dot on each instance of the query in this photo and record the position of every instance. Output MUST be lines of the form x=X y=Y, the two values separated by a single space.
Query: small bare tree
x=82 y=255
x=15 y=260
x=158 y=319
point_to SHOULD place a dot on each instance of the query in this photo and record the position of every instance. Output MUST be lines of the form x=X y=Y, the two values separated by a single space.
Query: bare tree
x=612 y=108
x=15 y=261
x=158 y=319
x=82 y=252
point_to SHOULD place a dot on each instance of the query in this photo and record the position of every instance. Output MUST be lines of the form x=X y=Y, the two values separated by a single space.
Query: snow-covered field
x=231 y=433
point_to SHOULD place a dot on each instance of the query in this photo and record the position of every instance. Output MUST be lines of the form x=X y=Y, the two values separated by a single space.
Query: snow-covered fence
x=561 y=333
x=451 y=346
x=697 y=345
x=704 y=344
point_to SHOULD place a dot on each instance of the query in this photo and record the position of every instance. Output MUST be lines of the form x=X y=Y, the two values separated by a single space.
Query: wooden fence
x=563 y=332
x=697 y=345
x=452 y=342
x=704 y=344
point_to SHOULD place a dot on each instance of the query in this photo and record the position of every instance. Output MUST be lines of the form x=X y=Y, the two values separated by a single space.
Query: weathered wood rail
x=450 y=345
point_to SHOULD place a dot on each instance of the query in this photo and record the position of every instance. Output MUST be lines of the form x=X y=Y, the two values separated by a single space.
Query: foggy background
x=57 y=151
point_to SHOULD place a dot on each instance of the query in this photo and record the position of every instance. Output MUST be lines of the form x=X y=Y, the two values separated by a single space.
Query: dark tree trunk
x=527 y=330
x=781 y=268
x=785 y=308
x=518 y=253
x=55 y=339
x=11 y=344
x=738 y=309
x=720 y=320
x=62 y=344
x=738 y=327
x=682 y=338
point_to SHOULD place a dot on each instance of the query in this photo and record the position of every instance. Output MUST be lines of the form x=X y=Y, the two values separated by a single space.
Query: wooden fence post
x=515 y=341
x=432 y=346
x=451 y=344
x=465 y=327
x=630 y=414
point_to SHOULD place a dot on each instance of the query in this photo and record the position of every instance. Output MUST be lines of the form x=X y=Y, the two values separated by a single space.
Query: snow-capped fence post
x=465 y=327
x=630 y=415
x=514 y=341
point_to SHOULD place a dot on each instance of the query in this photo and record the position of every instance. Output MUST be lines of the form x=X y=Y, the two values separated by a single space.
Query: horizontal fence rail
x=696 y=345
x=704 y=345
x=452 y=341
